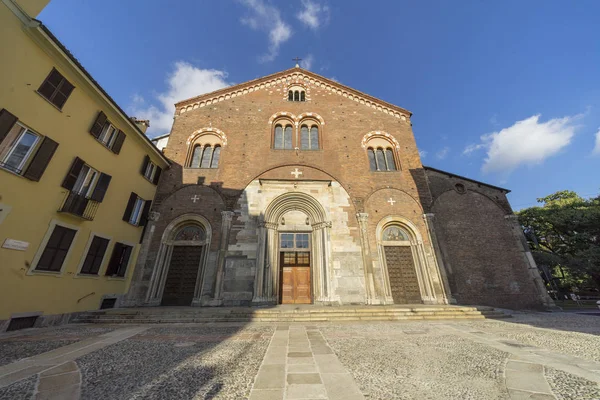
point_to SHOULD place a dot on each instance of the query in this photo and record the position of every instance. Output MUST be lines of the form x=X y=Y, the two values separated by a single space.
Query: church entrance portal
x=399 y=260
x=181 y=278
x=295 y=286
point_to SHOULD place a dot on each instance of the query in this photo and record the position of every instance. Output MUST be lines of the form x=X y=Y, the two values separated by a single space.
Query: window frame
x=136 y=221
x=153 y=168
x=80 y=273
x=116 y=276
x=284 y=123
x=113 y=136
x=41 y=248
x=20 y=170
x=310 y=123
x=92 y=182
x=384 y=151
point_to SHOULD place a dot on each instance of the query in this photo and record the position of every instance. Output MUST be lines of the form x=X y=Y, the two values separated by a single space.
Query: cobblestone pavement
x=530 y=356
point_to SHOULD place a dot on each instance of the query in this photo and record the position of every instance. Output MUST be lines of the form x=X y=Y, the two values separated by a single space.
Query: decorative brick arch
x=283 y=114
x=379 y=134
x=311 y=115
x=210 y=130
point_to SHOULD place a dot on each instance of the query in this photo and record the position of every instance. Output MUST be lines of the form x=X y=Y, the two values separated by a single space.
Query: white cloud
x=597 y=147
x=422 y=153
x=313 y=15
x=527 y=142
x=264 y=17
x=307 y=61
x=183 y=82
x=443 y=153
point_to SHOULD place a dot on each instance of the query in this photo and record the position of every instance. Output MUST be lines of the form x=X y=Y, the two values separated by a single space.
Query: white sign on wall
x=15 y=244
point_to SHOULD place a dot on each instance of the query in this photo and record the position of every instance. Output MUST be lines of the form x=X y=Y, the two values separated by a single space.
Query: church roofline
x=451 y=175
x=224 y=91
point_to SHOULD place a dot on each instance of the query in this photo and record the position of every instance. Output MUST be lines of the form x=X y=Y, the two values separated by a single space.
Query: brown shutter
x=129 y=208
x=145 y=213
x=101 y=187
x=41 y=159
x=116 y=147
x=157 y=175
x=145 y=165
x=7 y=121
x=73 y=173
x=96 y=129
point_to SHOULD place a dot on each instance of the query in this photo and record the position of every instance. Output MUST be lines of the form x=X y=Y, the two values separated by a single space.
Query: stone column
x=372 y=293
x=271 y=274
x=439 y=259
x=261 y=255
x=327 y=287
x=534 y=273
x=226 y=217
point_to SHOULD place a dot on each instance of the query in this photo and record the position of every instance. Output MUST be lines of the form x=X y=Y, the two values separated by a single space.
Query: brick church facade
x=293 y=188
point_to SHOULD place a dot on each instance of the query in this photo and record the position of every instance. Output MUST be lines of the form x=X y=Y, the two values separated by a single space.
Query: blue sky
x=504 y=92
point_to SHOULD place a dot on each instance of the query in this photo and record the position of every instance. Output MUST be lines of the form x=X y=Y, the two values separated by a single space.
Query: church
x=295 y=189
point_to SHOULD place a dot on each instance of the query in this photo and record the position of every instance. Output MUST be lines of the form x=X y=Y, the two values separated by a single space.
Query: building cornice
x=289 y=77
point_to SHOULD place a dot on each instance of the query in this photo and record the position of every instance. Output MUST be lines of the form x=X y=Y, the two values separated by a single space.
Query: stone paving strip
x=59 y=375
x=299 y=364
x=524 y=372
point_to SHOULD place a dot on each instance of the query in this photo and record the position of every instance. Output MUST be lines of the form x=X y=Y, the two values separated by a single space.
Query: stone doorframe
x=163 y=259
x=266 y=282
x=422 y=265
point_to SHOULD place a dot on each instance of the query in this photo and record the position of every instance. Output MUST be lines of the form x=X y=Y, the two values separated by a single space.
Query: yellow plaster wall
x=35 y=204
x=32 y=7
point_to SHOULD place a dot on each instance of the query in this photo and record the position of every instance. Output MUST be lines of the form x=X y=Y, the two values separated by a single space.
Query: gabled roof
x=451 y=175
x=290 y=76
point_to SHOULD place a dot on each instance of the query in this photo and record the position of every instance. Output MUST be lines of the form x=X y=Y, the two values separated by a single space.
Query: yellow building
x=77 y=177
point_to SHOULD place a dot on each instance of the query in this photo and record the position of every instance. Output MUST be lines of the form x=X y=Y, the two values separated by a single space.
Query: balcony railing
x=80 y=206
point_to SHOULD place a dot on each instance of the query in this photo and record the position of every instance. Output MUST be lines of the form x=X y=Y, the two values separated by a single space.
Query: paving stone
x=526 y=380
x=522 y=395
x=314 y=391
x=329 y=364
x=524 y=366
x=270 y=377
x=58 y=381
x=264 y=394
x=299 y=354
x=300 y=360
x=61 y=369
x=303 y=378
x=302 y=368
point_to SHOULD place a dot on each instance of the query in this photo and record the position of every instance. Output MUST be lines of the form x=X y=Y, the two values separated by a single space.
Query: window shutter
x=73 y=173
x=145 y=165
x=96 y=129
x=101 y=187
x=7 y=121
x=157 y=175
x=116 y=147
x=113 y=265
x=145 y=212
x=41 y=159
x=129 y=207
x=124 y=260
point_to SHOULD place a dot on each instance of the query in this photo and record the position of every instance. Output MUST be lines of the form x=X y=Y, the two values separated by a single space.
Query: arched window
x=302 y=96
x=372 y=161
x=380 y=158
x=287 y=137
x=192 y=233
x=278 y=142
x=206 y=157
x=215 y=157
x=290 y=96
x=389 y=159
x=196 y=157
x=297 y=95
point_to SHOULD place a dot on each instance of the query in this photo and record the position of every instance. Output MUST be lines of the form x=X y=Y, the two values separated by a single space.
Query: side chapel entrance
x=402 y=275
x=295 y=285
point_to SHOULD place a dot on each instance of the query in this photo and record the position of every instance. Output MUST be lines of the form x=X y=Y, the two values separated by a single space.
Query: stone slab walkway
x=299 y=364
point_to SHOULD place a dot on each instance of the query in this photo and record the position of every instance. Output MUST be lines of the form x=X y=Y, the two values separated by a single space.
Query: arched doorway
x=178 y=273
x=400 y=265
x=293 y=262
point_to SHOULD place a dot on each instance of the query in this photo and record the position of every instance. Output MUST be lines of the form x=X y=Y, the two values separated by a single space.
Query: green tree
x=564 y=232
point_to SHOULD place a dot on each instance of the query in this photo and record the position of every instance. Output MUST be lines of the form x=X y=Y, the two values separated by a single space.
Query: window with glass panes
x=295 y=248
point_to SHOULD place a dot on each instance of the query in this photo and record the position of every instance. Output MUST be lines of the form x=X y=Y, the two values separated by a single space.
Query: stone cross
x=195 y=198
x=391 y=201
x=296 y=173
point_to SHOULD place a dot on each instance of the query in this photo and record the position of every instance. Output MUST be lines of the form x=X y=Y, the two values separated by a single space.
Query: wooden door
x=182 y=275
x=402 y=275
x=295 y=278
